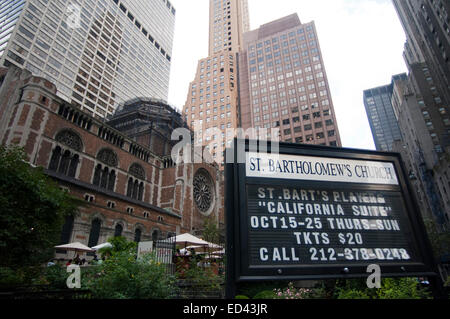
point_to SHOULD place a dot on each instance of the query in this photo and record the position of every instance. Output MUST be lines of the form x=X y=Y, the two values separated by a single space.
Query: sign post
x=313 y=212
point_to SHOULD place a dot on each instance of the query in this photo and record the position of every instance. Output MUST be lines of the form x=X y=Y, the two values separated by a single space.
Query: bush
x=56 y=276
x=404 y=288
x=122 y=276
x=241 y=297
x=10 y=278
x=352 y=294
x=391 y=288
x=266 y=294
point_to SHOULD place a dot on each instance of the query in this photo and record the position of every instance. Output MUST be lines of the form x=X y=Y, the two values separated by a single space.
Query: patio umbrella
x=98 y=247
x=78 y=247
x=188 y=239
x=75 y=247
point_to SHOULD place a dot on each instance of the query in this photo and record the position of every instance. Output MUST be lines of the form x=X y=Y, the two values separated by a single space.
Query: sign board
x=312 y=212
x=145 y=247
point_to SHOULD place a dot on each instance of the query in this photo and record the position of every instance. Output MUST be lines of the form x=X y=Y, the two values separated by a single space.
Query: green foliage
x=119 y=244
x=122 y=276
x=391 y=288
x=404 y=288
x=210 y=231
x=266 y=294
x=10 y=278
x=252 y=289
x=33 y=211
x=202 y=278
x=56 y=276
x=241 y=297
x=352 y=294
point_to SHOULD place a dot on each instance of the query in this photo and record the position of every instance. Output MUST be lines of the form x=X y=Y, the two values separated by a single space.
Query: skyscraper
x=426 y=24
x=427 y=28
x=423 y=110
x=98 y=53
x=211 y=105
x=380 y=113
x=283 y=83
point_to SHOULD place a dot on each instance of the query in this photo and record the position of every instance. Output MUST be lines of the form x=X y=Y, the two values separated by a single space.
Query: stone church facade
x=121 y=167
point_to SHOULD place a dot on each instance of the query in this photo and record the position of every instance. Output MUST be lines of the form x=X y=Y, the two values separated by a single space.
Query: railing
x=165 y=252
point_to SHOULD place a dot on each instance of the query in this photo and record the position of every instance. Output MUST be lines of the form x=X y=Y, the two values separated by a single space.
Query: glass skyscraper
x=380 y=112
x=98 y=53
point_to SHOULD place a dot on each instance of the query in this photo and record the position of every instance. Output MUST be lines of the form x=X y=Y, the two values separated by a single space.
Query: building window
x=137 y=235
x=66 y=233
x=94 y=235
x=135 y=186
x=105 y=175
x=118 y=230
x=64 y=162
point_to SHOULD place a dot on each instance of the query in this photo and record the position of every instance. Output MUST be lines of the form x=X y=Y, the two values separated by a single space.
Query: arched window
x=56 y=157
x=104 y=180
x=130 y=187
x=118 y=230
x=70 y=139
x=108 y=157
x=155 y=235
x=66 y=233
x=64 y=164
x=66 y=161
x=135 y=187
x=137 y=235
x=94 y=235
x=111 y=180
x=73 y=166
x=97 y=175
x=137 y=171
x=141 y=191
x=105 y=175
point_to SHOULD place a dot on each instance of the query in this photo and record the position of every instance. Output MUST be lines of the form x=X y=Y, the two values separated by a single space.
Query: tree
x=211 y=232
x=119 y=244
x=33 y=211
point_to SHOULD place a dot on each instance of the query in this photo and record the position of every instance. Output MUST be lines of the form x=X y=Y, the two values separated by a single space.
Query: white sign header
x=325 y=169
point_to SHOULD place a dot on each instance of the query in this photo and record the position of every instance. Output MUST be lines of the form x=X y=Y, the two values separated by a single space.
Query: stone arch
x=108 y=157
x=71 y=139
x=137 y=171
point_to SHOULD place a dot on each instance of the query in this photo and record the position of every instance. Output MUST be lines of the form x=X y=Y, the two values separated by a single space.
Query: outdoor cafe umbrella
x=188 y=239
x=76 y=247
x=98 y=247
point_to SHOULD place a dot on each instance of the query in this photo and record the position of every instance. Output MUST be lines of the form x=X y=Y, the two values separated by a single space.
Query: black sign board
x=313 y=212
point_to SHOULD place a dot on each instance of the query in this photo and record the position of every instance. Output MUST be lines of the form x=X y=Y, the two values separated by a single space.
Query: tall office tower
x=98 y=53
x=427 y=27
x=228 y=20
x=283 y=83
x=211 y=106
x=382 y=120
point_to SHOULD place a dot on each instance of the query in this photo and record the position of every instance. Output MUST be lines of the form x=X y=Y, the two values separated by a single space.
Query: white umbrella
x=75 y=247
x=98 y=247
x=188 y=239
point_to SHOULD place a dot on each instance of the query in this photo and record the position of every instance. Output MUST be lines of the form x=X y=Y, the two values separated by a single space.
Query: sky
x=361 y=41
